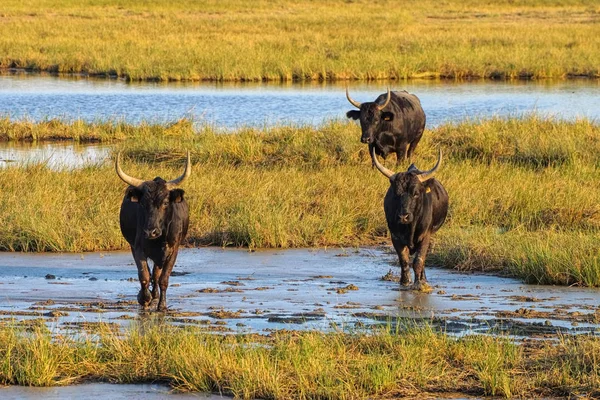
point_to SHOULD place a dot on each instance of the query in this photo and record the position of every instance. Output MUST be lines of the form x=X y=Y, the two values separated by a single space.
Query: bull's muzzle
x=152 y=233
x=366 y=139
x=405 y=218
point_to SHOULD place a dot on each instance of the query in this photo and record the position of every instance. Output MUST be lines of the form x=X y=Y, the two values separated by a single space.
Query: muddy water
x=240 y=291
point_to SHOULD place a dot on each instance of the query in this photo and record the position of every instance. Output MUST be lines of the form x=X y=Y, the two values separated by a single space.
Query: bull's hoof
x=162 y=307
x=144 y=297
x=422 y=286
x=405 y=281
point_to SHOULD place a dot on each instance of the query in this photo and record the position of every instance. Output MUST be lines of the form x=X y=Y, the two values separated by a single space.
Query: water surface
x=235 y=290
x=232 y=105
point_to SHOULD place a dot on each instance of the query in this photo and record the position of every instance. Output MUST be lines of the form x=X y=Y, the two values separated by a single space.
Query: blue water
x=232 y=105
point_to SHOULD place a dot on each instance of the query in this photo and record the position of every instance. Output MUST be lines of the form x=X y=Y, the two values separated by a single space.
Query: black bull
x=415 y=206
x=393 y=123
x=154 y=220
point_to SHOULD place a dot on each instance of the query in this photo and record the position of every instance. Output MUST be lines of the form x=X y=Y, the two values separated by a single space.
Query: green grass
x=287 y=40
x=523 y=198
x=385 y=363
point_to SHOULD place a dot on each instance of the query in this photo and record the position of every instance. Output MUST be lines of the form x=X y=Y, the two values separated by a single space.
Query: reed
x=393 y=361
x=288 y=40
x=524 y=207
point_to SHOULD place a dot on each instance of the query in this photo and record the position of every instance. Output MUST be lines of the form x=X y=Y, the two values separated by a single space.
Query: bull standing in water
x=154 y=220
x=415 y=206
x=393 y=123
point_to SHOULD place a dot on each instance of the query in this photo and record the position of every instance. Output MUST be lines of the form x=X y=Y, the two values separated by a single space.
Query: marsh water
x=237 y=291
x=231 y=105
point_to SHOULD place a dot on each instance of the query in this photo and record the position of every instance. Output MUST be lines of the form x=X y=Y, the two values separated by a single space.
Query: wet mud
x=236 y=291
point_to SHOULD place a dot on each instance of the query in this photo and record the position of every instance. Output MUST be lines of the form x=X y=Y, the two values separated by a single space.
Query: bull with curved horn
x=415 y=206
x=393 y=123
x=154 y=220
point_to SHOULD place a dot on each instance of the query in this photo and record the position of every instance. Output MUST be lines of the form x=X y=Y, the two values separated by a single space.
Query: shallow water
x=232 y=105
x=240 y=291
x=54 y=155
x=99 y=391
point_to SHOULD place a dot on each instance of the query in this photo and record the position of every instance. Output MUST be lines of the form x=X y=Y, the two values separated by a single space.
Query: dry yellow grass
x=299 y=40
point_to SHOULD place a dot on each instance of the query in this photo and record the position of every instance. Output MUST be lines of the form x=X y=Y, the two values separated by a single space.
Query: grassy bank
x=383 y=364
x=522 y=194
x=302 y=40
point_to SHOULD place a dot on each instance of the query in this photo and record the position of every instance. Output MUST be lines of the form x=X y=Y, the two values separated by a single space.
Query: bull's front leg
x=144 y=296
x=163 y=281
x=156 y=274
x=419 y=264
x=403 y=257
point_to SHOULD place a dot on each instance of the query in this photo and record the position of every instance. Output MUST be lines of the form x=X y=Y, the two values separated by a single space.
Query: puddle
x=236 y=291
x=54 y=155
x=100 y=391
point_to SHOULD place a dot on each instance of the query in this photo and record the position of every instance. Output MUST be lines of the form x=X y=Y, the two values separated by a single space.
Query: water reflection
x=54 y=155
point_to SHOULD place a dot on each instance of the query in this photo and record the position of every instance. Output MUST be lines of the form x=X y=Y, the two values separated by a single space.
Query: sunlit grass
x=522 y=198
x=387 y=362
x=302 y=40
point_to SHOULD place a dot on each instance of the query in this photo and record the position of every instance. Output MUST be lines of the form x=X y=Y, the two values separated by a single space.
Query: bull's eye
x=165 y=204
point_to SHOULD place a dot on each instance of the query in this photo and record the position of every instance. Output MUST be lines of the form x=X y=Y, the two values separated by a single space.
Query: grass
x=288 y=40
x=385 y=363
x=522 y=196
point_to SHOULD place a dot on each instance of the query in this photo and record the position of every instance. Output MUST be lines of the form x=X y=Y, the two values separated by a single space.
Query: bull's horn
x=381 y=168
x=353 y=102
x=186 y=173
x=423 y=176
x=126 y=178
x=387 y=100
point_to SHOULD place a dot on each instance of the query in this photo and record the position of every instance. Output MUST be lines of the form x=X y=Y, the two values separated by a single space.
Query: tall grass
x=302 y=40
x=522 y=206
x=388 y=362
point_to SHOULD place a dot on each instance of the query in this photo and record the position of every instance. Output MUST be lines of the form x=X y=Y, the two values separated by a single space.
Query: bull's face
x=408 y=190
x=156 y=198
x=156 y=202
x=371 y=116
x=371 y=119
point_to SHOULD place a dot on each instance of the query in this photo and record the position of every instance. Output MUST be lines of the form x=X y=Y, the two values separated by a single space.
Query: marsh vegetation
x=522 y=202
x=302 y=40
x=392 y=361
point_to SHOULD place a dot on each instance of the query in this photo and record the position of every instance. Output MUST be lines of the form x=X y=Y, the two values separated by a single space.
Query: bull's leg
x=156 y=273
x=412 y=148
x=403 y=258
x=401 y=152
x=419 y=263
x=163 y=281
x=144 y=296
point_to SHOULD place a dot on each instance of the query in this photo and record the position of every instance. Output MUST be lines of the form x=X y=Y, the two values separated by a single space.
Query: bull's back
x=410 y=117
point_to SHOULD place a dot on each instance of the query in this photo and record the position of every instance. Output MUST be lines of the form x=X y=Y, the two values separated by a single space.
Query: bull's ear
x=353 y=114
x=387 y=116
x=133 y=194
x=176 y=195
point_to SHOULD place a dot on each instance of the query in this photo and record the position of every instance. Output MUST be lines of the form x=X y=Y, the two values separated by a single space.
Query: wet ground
x=237 y=291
